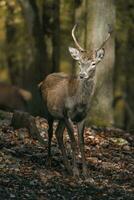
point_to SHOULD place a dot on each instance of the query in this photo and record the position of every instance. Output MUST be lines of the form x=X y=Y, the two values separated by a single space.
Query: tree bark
x=38 y=68
x=99 y=15
x=32 y=17
x=56 y=36
x=67 y=20
x=10 y=41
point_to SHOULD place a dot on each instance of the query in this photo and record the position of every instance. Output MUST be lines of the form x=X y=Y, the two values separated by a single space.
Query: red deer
x=67 y=99
x=13 y=97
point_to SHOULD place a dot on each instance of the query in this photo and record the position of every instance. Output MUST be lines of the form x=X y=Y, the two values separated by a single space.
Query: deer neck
x=85 y=89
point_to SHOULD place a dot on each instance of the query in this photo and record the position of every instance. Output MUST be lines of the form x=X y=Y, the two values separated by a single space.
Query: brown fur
x=67 y=97
x=13 y=97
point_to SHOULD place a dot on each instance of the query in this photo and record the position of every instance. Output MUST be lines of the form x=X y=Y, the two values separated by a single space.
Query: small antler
x=107 y=38
x=74 y=38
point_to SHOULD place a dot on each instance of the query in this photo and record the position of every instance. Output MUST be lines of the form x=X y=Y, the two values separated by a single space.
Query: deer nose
x=82 y=75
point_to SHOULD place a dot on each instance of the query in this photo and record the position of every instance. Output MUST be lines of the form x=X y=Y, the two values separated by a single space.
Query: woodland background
x=34 y=40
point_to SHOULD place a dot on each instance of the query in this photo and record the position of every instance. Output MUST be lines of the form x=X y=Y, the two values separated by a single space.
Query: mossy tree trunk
x=123 y=78
x=67 y=20
x=11 y=42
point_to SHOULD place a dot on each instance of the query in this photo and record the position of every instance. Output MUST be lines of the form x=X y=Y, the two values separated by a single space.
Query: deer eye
x=79 y=64
x=93 y=63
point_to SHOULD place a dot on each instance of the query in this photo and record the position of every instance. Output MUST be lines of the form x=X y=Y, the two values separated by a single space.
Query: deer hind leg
x=70 y=130
x=50 y=135
x=59 y=135
x=80 y=127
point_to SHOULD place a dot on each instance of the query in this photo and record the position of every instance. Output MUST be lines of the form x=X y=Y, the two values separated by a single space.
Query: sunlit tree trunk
x=67 y=18
x=10 y=42
x=99 y=15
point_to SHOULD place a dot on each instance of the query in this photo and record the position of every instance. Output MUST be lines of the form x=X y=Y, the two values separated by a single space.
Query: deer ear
x=99 y=55
x=74 y=53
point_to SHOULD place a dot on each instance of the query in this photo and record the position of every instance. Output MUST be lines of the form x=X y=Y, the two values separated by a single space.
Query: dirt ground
x=24 y=173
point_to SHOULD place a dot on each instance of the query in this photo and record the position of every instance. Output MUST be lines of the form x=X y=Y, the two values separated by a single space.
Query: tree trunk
x=38 y=68
x=56 y=36
x=10 y=41
x=31 y=14
x=67 y=20
x=124 y=79
x=99 y=15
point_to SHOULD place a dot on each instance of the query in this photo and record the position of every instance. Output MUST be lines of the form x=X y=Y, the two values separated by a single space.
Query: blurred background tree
x=34 y=40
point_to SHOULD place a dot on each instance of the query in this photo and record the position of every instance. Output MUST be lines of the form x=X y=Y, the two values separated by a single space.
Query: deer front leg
x=73 y=146
x=80 y=127
x=59 y=135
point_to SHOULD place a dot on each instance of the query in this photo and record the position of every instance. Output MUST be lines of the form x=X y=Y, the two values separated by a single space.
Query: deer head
x=87 y=60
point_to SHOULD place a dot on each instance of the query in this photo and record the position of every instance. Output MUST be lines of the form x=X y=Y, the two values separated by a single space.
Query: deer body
x=13 y=97
x=67 y=99
x=67 y=96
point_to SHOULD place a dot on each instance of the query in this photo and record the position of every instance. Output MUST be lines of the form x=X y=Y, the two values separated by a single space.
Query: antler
x=74 y=38
x=107 y=38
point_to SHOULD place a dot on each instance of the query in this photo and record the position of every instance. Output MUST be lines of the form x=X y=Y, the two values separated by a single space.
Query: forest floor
x=25 y=175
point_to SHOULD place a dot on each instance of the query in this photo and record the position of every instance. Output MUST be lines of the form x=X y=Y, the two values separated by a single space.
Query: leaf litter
x=24 y=173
